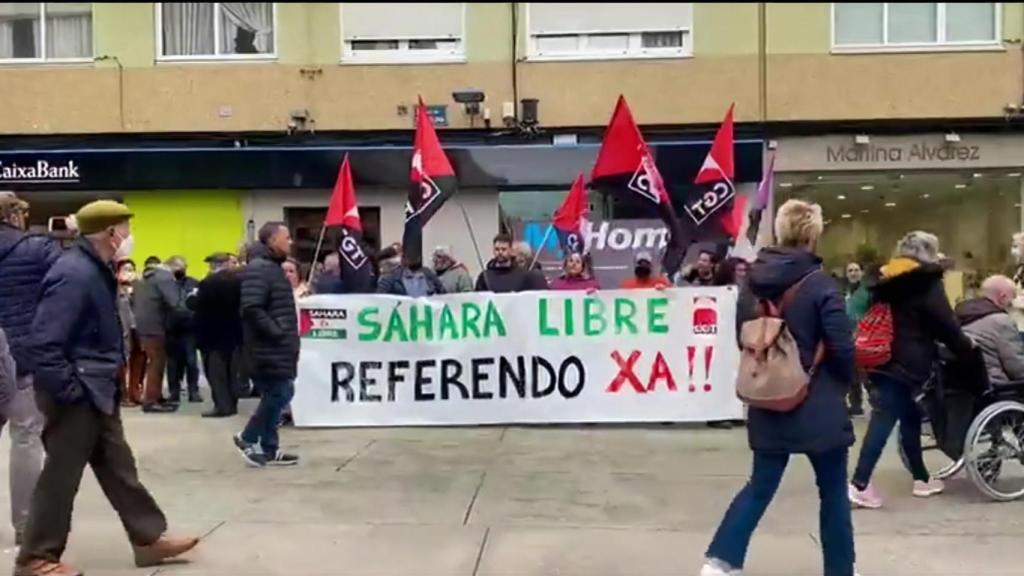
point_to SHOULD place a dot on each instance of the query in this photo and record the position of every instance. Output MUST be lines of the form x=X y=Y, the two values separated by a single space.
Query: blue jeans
x=733 y=535
x=895 y=402
x=262 y=426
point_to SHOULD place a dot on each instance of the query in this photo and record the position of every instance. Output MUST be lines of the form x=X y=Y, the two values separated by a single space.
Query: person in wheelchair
x=986 y=320
x=911 y=284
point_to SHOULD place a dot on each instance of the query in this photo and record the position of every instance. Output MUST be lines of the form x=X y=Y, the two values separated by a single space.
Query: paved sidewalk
x=539 y=501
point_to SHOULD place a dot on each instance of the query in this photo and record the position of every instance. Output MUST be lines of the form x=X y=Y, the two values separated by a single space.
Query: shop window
x=45 y=31
x=915 y=25
x=216 y=30
x=378 y=32
x=565 y=30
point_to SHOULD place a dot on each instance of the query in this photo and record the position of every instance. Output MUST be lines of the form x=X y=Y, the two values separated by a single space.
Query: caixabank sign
x=39 y=172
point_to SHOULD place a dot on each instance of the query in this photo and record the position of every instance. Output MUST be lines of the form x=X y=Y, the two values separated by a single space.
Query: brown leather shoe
x=45 y=568
x=164 y=548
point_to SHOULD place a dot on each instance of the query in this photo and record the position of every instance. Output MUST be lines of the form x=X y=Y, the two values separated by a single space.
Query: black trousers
x=181 y=363
x=76 y=436
x=222 y=368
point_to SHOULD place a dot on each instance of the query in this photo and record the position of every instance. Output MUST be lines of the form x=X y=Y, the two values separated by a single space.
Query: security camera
x=468 y=96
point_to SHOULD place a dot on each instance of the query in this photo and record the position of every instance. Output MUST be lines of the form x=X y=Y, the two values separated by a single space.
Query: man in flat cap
x=24 y=261
x=79 y=351
x=218 y=329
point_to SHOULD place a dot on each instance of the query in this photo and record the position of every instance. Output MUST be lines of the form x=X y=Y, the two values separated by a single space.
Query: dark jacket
x=329 y=283
x=184 y=321
x=24 y=261
x=995 y=333
x=394 y=282
x=817 y=314
x=8 y=373
x=270 y=325
x=505 y=278
x=921 y=317
x=218 y=312
x=157 y=302
x=76 y=334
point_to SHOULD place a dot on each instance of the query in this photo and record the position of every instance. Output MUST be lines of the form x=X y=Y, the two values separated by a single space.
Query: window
x=46 y=31
x=216 y=30
x=381 y=33
x=915 y=25
x=565 y=30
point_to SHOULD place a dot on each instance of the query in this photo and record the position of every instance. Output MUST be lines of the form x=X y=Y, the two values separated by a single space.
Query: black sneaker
x=280 y=458
x=250 y=452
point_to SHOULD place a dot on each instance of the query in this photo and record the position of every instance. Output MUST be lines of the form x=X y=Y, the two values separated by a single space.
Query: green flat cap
x=96 y=216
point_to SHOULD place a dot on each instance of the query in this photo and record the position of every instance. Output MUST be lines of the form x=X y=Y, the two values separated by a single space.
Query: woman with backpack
x=920 y=315
x=787 y=279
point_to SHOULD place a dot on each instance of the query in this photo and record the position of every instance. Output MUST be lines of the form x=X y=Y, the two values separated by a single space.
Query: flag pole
x=543 y=243
x=316 y=254
x=472 y=235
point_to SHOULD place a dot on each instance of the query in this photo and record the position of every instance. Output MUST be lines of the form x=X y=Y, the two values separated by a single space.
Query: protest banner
x=536 y=357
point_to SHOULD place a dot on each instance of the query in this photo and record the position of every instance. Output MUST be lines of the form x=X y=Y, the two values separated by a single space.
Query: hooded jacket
x=157 y=303
x=508 y=277
x=455 y=278
x=921 y=317
x=270 y=325
x=995 y=333
x=24 y=261
x=817 y=314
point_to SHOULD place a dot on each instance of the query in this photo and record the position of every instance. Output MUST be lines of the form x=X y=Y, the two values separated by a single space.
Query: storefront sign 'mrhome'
x=917 y=152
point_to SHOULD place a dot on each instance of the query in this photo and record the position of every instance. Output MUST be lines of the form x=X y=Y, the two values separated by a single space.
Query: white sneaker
x=717 y=568
x=929 y=488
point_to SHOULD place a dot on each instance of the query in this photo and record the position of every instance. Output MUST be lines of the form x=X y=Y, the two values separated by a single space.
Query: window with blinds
x=899 y=26
x=565 y=30
x=402 y=32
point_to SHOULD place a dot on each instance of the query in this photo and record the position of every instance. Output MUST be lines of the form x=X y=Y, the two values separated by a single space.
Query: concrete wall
x=803 y=80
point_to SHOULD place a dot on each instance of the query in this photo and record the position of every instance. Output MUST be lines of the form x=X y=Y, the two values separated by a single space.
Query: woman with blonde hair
x=820 y=427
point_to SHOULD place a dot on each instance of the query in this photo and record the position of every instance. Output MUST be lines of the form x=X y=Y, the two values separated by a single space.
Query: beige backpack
x=771 y=376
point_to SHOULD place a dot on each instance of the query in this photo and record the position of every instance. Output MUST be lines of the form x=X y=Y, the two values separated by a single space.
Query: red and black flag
x=626 y=167
x=432 y=182
x=714 y=193
x=356 y=271
x=568 y=219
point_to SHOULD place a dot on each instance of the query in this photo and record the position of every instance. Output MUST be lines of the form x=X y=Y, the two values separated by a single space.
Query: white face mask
x=1015 y=251
x=124 y=251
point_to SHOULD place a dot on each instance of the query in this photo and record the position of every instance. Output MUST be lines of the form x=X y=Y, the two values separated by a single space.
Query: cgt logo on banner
x=614 y=356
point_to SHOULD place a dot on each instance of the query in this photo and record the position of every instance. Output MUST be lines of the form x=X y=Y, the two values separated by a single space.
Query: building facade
x=209 y=118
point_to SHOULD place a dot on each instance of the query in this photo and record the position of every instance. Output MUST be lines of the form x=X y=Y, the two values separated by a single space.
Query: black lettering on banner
x=422 y=381
x=975 y=153
x=339 y=382
x=581 y=377
x=516 y=374
x=367 y=381
x=479 y=376
x=538 y=363
x=394 y=377
x=451 y=371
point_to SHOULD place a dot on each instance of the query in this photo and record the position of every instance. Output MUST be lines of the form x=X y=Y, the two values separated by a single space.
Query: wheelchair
x=978 y=426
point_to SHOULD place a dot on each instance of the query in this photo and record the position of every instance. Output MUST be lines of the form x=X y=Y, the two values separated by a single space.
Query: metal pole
x=316 y=255
x=472 y=236
x=543 y=243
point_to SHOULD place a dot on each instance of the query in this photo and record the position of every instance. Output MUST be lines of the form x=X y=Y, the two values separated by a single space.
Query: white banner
x=537 y=357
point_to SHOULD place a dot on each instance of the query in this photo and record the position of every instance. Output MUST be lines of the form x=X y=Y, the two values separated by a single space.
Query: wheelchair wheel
x=994 y=451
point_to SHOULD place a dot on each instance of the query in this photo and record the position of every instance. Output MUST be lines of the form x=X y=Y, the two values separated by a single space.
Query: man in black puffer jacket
x=270 y=333
x=24 y=261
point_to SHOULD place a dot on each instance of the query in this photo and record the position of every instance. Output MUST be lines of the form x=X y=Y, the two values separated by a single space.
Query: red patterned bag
x=873 y=341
